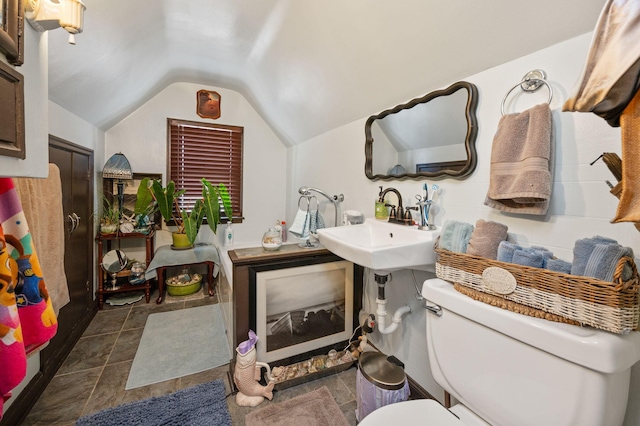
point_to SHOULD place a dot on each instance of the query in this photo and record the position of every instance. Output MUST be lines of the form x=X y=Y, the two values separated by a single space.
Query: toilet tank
x=512 y=369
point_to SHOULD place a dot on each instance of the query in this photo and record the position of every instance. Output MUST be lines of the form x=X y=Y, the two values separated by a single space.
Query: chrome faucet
x=396 y=216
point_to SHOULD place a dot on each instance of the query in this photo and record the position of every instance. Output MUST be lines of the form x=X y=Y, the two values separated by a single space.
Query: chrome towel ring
x=531 y=82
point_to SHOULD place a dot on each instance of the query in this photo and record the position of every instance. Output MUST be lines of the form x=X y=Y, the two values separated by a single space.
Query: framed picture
x=11 y=31
x=302 y=309
x=110 y=190
x=12 y=142
x=208 y=104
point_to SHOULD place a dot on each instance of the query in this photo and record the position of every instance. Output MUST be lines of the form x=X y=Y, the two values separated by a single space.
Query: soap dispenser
x=228 y=235
x=381 y=211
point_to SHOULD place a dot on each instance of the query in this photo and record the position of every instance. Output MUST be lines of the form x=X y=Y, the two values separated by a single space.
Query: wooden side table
x=165 y=257
x=102 y=291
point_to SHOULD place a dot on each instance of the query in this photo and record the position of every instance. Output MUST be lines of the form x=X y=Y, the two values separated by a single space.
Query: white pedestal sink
x=382 y=246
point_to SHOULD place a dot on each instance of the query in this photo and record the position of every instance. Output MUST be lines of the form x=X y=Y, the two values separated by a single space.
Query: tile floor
x=94 y=375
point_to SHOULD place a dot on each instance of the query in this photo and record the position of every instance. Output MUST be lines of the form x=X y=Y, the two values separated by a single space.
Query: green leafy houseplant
x=189 y=223
x=110 y=217
x=145 y=207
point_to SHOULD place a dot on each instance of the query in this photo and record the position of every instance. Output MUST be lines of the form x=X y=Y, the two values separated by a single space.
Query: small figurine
x=246 y=375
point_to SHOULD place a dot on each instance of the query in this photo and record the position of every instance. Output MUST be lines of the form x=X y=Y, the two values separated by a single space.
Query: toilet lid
x=407 y=412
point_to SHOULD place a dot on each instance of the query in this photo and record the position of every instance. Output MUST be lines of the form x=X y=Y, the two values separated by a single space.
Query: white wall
x=72 y=128
x=581 y=203
x=142 y=138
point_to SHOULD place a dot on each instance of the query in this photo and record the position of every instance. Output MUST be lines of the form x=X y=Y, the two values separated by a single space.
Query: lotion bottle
x=278 y=228
x=228 y=235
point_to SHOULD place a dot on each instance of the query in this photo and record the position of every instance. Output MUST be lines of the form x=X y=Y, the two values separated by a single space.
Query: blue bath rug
x=202 y=405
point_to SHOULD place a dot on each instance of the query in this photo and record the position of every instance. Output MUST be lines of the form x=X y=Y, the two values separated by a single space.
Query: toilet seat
x=407 y=412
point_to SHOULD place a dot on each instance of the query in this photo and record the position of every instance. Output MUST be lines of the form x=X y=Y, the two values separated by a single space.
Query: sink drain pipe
x=381 y=312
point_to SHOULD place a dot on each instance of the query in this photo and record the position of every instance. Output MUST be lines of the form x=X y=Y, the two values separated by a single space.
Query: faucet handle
x=407 y=213
x=392 y=214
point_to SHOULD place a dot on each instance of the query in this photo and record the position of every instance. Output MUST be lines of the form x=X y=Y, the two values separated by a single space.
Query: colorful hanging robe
x=27 y=318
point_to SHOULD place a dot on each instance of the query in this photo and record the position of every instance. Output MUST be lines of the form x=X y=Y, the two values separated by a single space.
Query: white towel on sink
x=300 y=226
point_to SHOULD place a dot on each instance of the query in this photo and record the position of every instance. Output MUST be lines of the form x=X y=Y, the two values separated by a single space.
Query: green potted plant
x=188 y=223
x=109 y=218
x=145 y=207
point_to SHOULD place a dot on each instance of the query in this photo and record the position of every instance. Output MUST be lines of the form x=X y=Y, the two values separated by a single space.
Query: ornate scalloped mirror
x=429 y=137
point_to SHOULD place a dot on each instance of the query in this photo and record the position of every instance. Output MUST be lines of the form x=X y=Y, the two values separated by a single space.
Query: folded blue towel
x=316 y=221
x=545 y=252
x=506 y=250
x=604 y=259
x=559 y=265
x=455 y=236
x=582 y=251
x=528 y=257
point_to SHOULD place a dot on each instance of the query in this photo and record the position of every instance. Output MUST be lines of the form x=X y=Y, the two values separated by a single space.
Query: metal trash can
x=380 y=381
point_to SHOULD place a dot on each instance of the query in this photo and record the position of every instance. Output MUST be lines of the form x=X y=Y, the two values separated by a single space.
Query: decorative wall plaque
x=208 y=104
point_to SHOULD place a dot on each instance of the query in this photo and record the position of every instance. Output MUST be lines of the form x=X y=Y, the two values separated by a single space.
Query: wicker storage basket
x=612 y=306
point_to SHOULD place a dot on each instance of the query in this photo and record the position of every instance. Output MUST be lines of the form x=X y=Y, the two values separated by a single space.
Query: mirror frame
x=12 y=31
x=111 y=253
x=445 y=171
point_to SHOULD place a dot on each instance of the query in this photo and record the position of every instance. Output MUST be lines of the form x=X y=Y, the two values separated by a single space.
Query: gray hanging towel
x=520 y=178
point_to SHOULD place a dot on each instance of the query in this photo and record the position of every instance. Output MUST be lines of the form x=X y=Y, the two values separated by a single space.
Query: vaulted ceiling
x=306 y=66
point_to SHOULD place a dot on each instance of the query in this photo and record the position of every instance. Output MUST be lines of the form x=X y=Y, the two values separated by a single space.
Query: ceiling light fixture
x=44 y=15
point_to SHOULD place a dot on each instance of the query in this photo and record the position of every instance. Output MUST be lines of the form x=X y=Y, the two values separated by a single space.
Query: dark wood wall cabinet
x=12 y=137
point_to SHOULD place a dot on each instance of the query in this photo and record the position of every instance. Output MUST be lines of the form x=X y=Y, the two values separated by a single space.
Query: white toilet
x=508 y=369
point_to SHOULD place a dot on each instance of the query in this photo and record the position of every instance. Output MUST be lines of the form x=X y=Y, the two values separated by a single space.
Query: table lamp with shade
x=118 y=167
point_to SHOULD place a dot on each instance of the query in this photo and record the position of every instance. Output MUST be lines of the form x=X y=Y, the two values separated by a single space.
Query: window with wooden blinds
x=212 y=151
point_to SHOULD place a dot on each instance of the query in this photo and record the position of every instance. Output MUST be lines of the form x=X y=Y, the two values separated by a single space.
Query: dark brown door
x=76 y=173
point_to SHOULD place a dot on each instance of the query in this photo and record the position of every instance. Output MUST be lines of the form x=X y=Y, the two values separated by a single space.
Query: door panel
x=76 y=172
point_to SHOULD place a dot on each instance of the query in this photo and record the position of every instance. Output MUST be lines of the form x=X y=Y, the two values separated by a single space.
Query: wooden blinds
x=208 y=150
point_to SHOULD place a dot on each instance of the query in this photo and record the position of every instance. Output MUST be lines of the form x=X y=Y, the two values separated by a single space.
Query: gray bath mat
x=178 y=343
